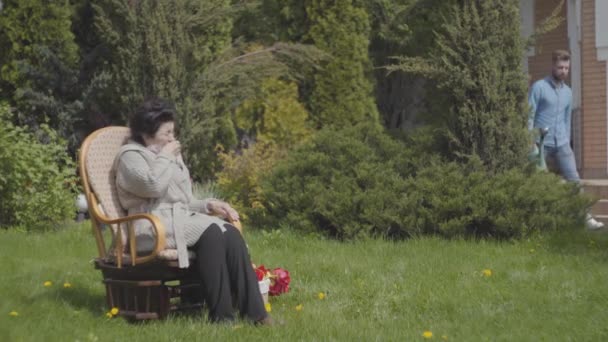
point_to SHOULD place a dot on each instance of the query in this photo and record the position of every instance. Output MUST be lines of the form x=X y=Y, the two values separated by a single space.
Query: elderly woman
x=152 y=178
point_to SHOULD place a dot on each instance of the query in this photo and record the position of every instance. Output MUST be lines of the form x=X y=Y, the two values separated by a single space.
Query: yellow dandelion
x=114 y=311
x=109 y=314
x=427 y=334
x=48 y=283
x=299 y=307
x=321 y=295
x=487 y=273
x=444 y=337
x=268 y=307
x=67 y=285
x=13 y=313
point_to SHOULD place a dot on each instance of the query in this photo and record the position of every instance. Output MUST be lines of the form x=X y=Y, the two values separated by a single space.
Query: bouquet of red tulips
x=279 y=279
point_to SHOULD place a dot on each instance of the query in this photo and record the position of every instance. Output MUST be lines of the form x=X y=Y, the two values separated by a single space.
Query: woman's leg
x=225 y=269
x=213 y=270
x=243 y=280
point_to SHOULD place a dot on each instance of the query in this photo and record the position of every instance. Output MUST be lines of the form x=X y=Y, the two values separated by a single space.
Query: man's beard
x=560 y=77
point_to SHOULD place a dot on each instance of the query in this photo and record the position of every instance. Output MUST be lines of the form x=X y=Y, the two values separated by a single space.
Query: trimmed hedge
x=451 y=199
x=360 y=182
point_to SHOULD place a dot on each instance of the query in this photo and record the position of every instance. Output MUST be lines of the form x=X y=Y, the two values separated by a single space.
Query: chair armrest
x=158 y=227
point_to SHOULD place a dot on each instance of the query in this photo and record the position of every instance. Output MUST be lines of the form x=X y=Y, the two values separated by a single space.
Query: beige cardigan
x=160 y=184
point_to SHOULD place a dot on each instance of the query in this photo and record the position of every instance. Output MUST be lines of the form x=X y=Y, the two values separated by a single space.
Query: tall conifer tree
x=480 y=85
x=342 y=93
x=164 y=48
x=39 y=62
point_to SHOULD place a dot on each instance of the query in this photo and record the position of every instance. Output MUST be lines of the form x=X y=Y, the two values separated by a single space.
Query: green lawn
x=551 y=288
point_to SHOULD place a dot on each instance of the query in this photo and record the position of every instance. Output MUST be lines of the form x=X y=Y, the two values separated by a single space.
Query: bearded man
x=550 y=101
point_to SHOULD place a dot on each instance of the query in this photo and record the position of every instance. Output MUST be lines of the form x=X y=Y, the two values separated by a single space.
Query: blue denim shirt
x=550 y=104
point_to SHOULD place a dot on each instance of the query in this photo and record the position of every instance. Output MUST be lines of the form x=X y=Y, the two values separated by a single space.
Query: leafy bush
x=278 y=122
x=274 y=114
x=359 y=182
x=239 y=180
x=36 y=179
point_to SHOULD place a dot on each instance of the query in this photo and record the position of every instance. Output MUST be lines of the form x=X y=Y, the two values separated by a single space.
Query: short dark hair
x=148 y=118
x=561 y=56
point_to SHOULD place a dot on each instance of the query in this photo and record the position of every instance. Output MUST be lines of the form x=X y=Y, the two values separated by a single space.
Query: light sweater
x=160 y=184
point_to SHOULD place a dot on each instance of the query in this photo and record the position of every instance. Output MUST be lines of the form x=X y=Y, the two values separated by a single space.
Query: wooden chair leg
x=140 y=299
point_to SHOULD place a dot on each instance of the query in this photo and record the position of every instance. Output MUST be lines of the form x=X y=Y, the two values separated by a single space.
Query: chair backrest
x=95 y=160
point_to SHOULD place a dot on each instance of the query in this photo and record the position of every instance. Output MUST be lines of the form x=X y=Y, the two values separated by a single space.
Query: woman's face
x=163 y=136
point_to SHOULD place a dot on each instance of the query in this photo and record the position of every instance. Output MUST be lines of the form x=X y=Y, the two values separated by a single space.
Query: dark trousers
x=227 y=277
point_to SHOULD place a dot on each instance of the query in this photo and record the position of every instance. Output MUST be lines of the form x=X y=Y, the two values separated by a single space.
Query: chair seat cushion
x=166 y=255
x=171 y=254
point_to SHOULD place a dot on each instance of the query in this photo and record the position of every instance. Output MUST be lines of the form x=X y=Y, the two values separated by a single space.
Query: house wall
x=539 y=65
x=594 y=118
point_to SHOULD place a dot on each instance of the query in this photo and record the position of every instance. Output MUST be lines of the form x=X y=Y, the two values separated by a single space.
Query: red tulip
x=279 y=282
x=261 y=272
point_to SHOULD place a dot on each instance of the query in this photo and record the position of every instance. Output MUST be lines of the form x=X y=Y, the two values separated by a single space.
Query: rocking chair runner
x=138 y=285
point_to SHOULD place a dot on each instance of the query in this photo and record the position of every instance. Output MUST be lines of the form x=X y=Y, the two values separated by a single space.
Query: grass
x=552 y=288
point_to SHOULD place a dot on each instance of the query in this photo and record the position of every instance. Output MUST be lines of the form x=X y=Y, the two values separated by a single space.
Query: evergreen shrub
x=37 y=180
x=164 y=48
x=478 y=91
x=359 y=182
x=342 y=93
x=454 y=200
x=348 y=183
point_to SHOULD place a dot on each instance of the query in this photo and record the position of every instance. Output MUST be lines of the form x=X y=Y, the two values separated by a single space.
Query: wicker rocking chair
x=140 y=286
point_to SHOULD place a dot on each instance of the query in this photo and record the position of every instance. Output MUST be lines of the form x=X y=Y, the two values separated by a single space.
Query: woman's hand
x=172 y=148
x=223 y=210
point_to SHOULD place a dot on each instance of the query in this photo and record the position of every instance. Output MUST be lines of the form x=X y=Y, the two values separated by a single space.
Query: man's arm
x=568 y=120
x=533 y=99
